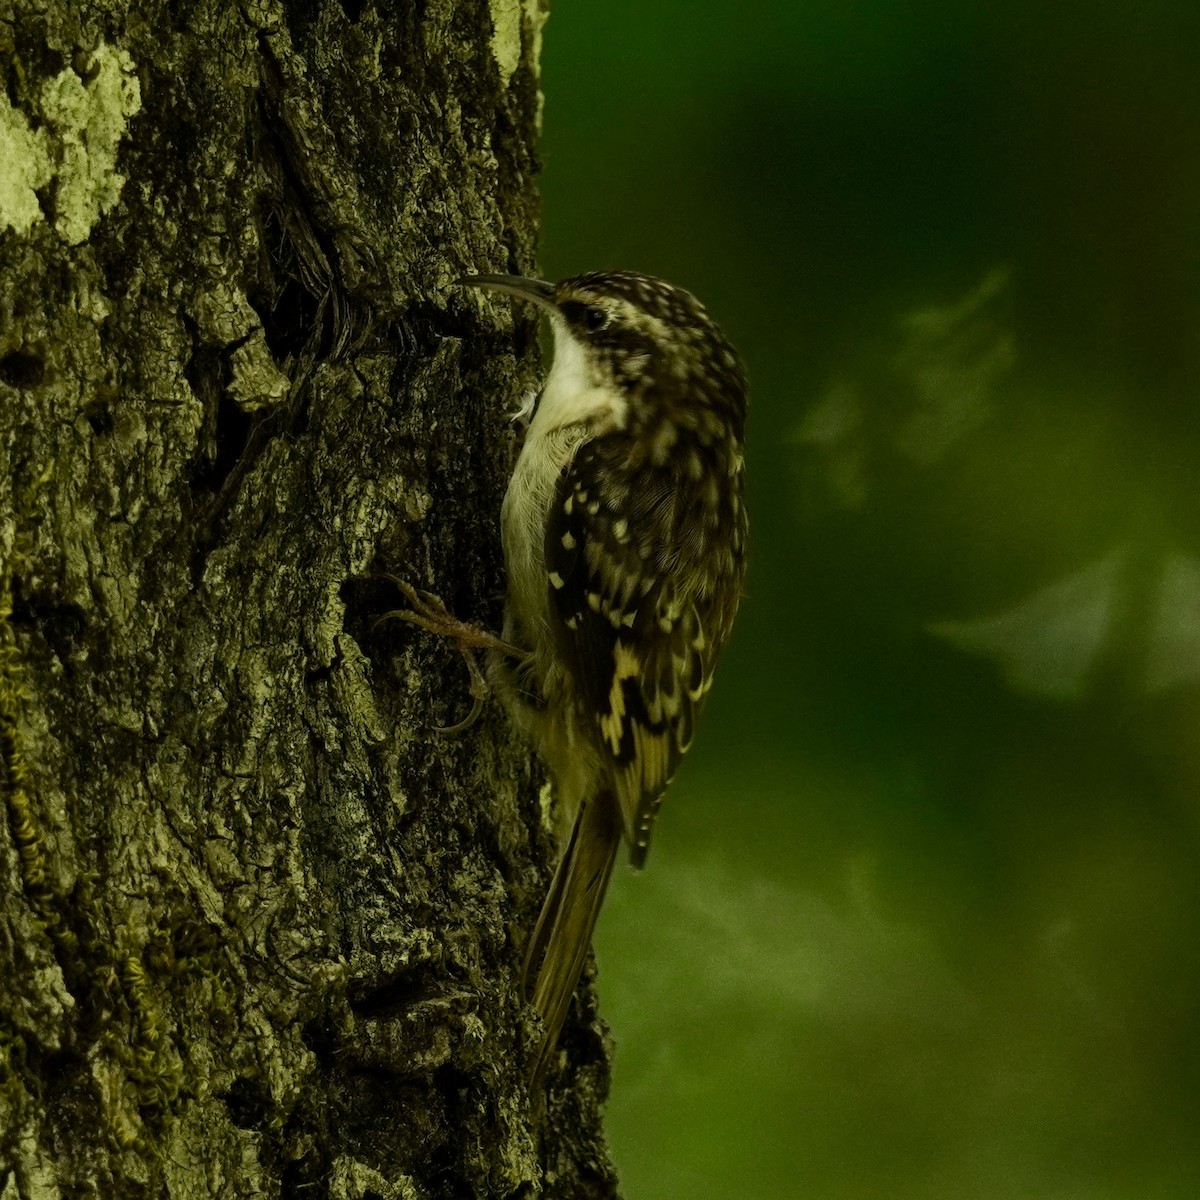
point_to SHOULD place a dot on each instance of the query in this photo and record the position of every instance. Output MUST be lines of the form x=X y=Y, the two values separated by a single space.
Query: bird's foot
x=429 y=612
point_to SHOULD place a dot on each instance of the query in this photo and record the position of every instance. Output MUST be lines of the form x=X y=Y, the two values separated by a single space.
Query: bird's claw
x=429 y=612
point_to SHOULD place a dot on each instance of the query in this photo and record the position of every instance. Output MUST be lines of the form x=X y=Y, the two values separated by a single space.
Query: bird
x=624 y=536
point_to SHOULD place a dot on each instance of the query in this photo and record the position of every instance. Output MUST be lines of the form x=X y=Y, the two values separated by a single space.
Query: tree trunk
x=260 y=925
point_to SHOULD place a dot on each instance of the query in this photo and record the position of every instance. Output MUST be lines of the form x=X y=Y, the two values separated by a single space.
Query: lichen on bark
x=260 y=927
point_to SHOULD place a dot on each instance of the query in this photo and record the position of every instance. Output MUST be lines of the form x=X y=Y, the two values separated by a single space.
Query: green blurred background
x=921 y=919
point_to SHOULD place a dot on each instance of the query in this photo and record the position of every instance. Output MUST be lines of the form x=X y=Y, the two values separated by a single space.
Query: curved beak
x=537 y=290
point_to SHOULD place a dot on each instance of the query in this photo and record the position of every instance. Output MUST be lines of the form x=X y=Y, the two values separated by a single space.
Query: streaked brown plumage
x=624 y=532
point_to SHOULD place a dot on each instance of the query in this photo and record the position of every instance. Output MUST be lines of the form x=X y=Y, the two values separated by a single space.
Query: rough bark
x=260 y=927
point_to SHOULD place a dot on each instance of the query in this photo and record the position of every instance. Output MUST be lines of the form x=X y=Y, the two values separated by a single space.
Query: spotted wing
x=638 y=640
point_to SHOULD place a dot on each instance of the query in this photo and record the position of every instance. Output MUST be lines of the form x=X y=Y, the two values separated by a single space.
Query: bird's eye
x=594 y=319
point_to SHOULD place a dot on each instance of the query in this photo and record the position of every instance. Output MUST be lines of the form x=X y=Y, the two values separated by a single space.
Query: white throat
x=571 y=394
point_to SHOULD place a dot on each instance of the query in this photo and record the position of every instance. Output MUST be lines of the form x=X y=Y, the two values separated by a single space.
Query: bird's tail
x=559 y=944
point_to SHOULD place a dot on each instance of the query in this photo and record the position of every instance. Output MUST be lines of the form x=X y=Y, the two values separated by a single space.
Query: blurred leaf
x=1049 y=642
x=954 y=358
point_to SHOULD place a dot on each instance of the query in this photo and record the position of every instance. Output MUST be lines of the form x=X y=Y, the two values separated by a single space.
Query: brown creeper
x=624 y=533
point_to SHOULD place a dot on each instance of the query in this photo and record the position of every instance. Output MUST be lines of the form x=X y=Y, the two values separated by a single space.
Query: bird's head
x=647 y=343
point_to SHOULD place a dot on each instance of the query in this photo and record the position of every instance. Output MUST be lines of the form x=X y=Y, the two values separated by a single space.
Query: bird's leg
x=429 y=612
